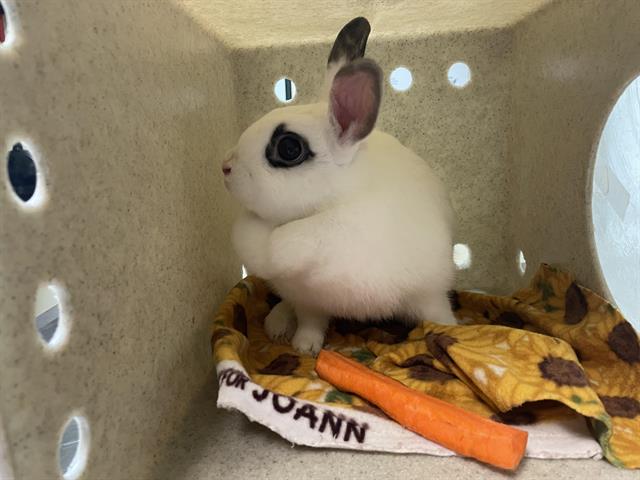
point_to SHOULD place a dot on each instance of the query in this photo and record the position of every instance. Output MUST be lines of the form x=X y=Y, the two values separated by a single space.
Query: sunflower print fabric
x=545 y=352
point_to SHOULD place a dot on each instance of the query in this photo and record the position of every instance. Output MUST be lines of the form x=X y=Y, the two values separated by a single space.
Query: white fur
x=280 y=322
x=360 y=231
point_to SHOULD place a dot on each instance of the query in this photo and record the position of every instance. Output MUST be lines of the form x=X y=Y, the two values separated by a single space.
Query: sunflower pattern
x=549 y=350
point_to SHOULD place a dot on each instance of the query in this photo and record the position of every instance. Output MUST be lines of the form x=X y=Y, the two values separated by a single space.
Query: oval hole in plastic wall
x=8 y=25
x=73 y=448
x=459 y=75
x=25 y=175
x=3 y=25
x=22 y=172
x=461 y=256
x=521 y=262
x=615 y=202
x=285 y=90
x=401 y=79
x=50 y=320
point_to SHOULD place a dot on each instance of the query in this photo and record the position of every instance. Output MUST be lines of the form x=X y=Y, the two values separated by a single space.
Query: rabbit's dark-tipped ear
x=351 y=42
x=354 y=100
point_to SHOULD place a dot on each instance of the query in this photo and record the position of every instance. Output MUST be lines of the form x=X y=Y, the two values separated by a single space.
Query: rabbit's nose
x=226 y=168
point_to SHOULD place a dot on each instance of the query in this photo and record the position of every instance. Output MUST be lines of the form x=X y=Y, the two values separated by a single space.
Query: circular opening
x=461 y=256
x=3 y=25
x=51 y=323
x=24 y=175
x=22 y=172
x=285 y=90
x=459 y=75
x=8 y=27
x=73 y=448
x=615 y=202
x=401 y=79
x=521 y=262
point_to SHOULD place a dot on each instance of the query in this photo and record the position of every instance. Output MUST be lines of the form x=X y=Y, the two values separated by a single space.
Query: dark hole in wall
x=3 y=25
x=22 y=172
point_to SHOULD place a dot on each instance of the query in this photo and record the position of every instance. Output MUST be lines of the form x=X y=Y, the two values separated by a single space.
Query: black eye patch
x=287 y=149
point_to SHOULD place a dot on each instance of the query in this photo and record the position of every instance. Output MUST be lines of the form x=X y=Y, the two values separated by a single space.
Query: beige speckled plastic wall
x=129 y=105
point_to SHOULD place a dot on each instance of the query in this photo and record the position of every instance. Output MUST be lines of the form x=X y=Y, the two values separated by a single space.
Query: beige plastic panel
x=129 y=105
x=574 y=60
x=258 y=24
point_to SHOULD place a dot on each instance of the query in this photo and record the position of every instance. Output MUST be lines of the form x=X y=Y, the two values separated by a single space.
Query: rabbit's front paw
x=280 y=322
x=308 y=340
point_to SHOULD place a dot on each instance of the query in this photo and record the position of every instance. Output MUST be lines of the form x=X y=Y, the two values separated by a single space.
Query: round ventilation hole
x=521 y=262
x=73 y=448
x=3 y=25
x=22 y=172
x=459 y=75
x=461 y=256
x=51 y=324
x=285 y=90
x=401 y=79
x=25 y=176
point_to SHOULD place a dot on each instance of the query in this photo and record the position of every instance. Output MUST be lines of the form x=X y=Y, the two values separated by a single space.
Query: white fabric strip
x=316 y=425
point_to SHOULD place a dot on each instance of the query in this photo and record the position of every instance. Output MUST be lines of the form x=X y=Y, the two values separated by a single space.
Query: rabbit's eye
x=287 y=149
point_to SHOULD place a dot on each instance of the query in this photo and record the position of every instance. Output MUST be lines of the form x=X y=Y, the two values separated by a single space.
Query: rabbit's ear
x=351 y=42
x=354 y=100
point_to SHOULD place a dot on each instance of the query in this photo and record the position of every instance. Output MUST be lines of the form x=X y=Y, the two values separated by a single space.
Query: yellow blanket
x=533 y=357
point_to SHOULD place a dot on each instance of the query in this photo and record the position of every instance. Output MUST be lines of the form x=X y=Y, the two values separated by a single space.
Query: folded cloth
x=555 y=359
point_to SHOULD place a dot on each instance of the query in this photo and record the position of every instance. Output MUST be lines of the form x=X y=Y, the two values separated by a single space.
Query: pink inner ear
x=352 y=101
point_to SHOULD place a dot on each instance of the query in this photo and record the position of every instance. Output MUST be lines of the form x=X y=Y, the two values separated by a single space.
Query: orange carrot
x=452 y=427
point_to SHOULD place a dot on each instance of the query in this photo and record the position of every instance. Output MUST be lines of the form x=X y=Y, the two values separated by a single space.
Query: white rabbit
x=340 y=219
